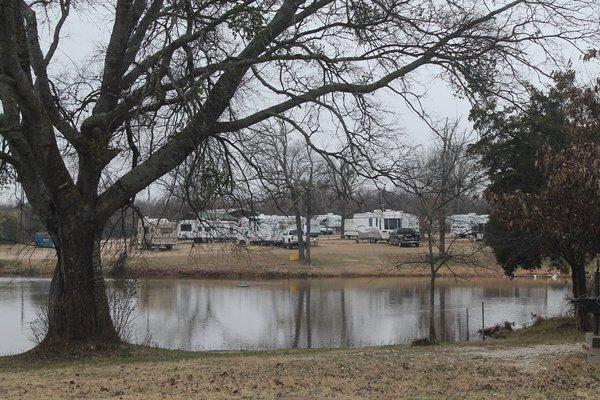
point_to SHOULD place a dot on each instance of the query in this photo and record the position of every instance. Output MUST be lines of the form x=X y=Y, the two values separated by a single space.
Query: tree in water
x=439 y=178
x=172 y=75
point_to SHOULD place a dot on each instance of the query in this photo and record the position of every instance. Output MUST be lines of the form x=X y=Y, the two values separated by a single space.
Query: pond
x=231 y=315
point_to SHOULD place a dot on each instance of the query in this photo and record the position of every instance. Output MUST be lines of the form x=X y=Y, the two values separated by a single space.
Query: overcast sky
x=86 y=32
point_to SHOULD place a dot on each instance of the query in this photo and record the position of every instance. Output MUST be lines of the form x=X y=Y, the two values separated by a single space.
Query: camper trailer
x=377 y=225
x=188 y=229
x=156 y=234
x=467 y=225
x=213 y=226
x=326 y=224
x=262 y=229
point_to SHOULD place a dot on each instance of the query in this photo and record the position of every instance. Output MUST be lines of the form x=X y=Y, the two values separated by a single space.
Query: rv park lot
x=332 y=257
x=541 y=362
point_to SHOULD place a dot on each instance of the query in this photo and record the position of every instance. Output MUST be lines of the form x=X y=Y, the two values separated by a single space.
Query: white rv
x=263 y=229
x=467 y=225
x=326 y=224
x=187 y=229
x=156 y=234
x=378 y=224
x=213 y=226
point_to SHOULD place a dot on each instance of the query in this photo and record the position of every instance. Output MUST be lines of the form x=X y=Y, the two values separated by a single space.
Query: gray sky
x=85 y=32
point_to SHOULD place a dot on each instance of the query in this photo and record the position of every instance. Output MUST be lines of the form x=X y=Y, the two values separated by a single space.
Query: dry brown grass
x=484 y=371
x=331 y=258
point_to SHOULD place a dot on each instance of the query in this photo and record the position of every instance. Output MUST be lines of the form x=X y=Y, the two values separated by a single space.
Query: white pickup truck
x=289 y=237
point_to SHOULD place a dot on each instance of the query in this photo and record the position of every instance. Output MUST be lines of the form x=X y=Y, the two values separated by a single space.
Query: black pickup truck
x=405 y=237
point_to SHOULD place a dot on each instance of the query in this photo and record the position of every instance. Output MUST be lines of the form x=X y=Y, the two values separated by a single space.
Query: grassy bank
x=331 y=258
x=543 y=361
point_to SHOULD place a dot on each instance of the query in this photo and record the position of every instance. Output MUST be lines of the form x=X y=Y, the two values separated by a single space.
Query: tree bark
x=580 y=290
x=299 y=228
x=78 y=310
x=432 y=272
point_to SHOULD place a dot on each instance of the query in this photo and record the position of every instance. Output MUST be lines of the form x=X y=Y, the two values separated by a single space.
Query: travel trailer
x=467 y=225
x=187 y=229
x=156 y=234
x=377 y=225
x=262 y=229
x=213 y=226
x=327 y=224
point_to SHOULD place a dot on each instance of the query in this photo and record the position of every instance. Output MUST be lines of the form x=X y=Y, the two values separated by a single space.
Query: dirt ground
x=332 y=257
x=528 y=366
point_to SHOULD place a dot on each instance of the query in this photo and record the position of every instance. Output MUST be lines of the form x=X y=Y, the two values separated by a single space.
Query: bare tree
x=290 y=172
x=344 y=186
x=439 y=178
x=174 y=74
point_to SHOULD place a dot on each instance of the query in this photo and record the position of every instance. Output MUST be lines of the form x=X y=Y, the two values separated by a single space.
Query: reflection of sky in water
x=202 y=315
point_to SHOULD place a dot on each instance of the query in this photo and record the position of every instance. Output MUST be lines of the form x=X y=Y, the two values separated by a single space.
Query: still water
x=219 y=315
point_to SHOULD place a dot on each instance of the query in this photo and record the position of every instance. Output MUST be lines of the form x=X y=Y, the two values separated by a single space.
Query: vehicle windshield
x=406 y=231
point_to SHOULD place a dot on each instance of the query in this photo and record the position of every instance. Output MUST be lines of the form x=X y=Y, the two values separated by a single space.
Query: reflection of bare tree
x=308 y=319
x=344 y=334
x=443 y=328
x=22 y=305
x=298 y=316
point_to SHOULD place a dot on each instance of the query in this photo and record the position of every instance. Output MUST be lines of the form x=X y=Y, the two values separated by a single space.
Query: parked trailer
x=262 y=229
x=156 y=234
x=326 y=224
x=377 y=225
x=467 y=225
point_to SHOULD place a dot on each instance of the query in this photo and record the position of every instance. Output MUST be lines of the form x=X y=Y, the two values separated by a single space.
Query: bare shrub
x=123 y=300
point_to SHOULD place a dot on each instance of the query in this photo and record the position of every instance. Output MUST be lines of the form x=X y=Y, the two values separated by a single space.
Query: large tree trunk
x=78 y=311
x=299 y=228
x=432 y=272
x=580 y=290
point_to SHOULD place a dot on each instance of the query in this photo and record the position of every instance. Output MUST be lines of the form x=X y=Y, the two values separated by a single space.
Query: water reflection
x=211 y=315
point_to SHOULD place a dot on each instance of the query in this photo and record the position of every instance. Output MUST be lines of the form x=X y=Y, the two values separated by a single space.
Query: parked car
x=405 y=237
x=43 y=239
x=326 y=231
x=290 y=238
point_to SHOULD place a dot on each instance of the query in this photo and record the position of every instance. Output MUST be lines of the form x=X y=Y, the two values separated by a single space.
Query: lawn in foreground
x=544 y=361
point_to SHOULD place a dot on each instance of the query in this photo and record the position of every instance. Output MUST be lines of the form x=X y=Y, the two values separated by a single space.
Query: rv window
x=231 y=229
x=370 y=221
x=185 y=227
x=393 y=223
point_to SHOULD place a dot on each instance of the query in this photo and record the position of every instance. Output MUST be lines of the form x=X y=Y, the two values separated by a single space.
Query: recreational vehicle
x=467 y=225
x=187 y=229
x=327 y=224
x=377 y=225
x=263 y=229
x=213 y=226
x=156 y=234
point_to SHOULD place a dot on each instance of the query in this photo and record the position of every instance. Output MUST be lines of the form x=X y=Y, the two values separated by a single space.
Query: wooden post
x=483 y=320
x=468 y=335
